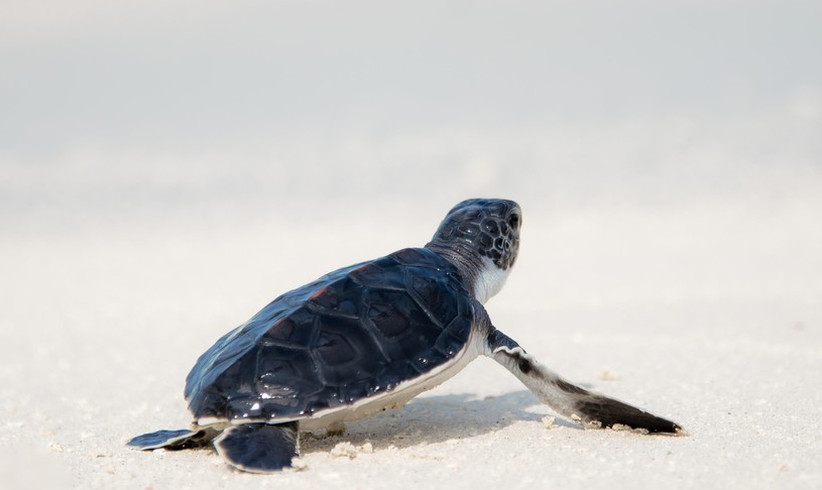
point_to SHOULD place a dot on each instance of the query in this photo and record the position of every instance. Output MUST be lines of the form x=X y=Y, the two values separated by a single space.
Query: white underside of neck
x=490 y=281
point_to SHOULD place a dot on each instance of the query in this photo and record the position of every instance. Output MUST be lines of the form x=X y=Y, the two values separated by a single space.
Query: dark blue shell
x=354 y=333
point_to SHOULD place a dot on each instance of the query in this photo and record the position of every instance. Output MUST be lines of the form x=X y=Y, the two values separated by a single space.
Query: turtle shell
x=354 y=333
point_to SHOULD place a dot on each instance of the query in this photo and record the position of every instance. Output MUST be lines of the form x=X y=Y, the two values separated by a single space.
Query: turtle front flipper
x=579 y=404
x=259 y=447
x=173 y=439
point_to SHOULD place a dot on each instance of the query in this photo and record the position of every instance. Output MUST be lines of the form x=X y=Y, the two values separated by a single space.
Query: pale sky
x=166 y=101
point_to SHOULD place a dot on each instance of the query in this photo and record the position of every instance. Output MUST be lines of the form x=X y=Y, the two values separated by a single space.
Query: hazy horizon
x=155 y=108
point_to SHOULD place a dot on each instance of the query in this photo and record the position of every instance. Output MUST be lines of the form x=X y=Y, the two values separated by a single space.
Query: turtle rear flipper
x=579 y=404
x=259 y=447
x=173 y=439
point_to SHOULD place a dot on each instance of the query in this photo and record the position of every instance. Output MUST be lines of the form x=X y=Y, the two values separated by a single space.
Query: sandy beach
x=166 y=171
x=100 y=329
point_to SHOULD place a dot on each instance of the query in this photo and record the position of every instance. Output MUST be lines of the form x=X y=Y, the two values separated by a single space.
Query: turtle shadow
x=436 y=419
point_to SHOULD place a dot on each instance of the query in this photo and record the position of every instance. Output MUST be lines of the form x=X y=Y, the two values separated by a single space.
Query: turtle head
x=481 y=237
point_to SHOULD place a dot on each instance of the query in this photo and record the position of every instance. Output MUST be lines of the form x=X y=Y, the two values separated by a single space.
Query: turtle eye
x=513 y=221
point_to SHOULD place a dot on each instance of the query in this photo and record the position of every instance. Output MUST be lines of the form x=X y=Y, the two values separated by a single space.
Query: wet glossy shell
x=351 y=334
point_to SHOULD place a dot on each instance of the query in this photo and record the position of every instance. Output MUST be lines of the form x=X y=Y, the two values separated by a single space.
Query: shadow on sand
x=434 y=419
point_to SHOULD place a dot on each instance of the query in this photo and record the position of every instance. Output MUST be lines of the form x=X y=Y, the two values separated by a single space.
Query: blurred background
x=168 y=167
x=675 y=142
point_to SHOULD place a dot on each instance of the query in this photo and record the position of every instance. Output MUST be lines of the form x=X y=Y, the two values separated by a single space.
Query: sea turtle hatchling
x=369 y=337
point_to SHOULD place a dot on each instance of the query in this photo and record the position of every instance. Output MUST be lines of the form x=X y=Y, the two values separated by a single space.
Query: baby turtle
x=369 y=337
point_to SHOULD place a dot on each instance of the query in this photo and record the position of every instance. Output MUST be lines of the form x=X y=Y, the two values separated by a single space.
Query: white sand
x=167 y=167
x=99 y=329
